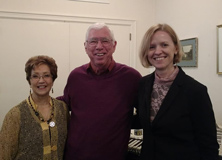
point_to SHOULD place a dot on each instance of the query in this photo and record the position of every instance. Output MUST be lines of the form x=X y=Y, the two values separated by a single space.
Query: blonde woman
x=175 y=110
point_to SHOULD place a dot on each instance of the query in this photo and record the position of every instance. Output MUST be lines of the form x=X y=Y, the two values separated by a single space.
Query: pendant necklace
x=49 y=122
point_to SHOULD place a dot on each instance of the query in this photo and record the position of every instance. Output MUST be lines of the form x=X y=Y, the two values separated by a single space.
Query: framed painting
x=219 y=49
x=189 y=47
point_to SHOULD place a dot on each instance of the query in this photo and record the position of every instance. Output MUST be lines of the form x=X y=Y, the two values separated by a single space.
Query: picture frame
x=219 y=49
x=94 y=1
x=189 y=47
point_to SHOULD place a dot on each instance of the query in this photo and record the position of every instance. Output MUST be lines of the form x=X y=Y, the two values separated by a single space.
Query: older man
x=101 y=96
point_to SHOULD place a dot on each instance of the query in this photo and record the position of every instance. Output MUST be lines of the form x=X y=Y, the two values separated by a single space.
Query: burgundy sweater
x=101 y=109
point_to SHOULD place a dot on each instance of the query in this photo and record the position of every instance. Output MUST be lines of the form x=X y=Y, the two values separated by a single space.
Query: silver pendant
x=52 y=124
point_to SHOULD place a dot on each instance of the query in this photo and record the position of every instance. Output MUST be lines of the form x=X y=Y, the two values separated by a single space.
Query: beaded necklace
x=50 y=122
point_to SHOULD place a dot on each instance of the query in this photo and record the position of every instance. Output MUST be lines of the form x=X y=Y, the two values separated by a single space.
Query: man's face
x=100 y=47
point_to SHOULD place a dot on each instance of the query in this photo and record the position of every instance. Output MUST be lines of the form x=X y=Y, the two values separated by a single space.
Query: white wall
x=140 y=10
x=198 y=18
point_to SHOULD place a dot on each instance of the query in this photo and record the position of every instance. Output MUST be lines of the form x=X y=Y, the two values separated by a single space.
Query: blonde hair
x=145 y=45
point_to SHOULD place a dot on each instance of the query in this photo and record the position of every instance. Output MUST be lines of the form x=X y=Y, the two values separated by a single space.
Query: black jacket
x=184 y=128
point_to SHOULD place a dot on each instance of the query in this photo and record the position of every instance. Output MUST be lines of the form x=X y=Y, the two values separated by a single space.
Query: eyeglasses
x=104 y=41
x=38 y=77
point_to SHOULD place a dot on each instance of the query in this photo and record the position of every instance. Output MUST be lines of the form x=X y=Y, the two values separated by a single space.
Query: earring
x=52 y=90
x=30 y=91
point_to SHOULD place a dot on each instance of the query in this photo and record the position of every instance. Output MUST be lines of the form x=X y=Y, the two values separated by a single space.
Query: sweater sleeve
x=9 y=134
x=205 y=125
x=67 y=112
x=65 y=97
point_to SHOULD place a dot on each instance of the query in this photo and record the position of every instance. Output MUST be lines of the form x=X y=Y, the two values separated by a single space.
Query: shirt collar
x=33 y=103
x=168 y=79
x=111 y=66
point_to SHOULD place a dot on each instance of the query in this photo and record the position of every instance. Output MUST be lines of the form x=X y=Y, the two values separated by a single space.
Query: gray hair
x=98 y=26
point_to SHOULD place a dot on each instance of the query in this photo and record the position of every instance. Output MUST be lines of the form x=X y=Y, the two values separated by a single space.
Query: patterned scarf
x=160 y=88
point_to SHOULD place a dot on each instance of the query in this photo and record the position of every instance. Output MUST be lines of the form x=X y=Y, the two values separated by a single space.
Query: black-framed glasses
x=104 y=41
x=38 y=77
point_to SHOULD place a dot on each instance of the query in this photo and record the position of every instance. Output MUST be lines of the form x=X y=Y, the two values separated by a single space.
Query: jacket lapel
x=147 y=95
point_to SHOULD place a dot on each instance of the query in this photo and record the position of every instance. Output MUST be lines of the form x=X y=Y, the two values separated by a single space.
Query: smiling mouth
x=41 y=87
x=159 y=58
x=100 y=54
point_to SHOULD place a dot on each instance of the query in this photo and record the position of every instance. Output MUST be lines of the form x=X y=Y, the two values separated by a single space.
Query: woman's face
x=41 y=80
x=162 y=50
